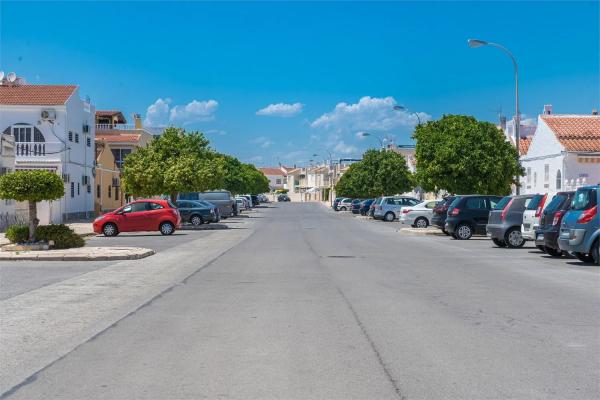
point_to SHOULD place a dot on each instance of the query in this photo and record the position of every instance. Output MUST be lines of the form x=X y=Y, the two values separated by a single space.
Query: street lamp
x=402 y=108
x=365 y=134
x=474 y=43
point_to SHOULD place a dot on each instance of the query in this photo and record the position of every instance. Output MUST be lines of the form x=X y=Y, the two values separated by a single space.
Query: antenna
x=11 y=77
x=1 y=75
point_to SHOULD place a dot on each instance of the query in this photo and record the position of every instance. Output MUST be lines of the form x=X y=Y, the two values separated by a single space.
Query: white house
x=276 y=177
x=564 y=153
x=53 y=129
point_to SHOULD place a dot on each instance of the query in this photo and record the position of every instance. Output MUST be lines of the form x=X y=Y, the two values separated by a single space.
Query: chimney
x=503 y=123
x=594 y=111
x=548 y=109
x=138 y=121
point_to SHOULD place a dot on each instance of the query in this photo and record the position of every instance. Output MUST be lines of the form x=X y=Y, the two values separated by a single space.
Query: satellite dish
x=11 y=77
x=1 y=75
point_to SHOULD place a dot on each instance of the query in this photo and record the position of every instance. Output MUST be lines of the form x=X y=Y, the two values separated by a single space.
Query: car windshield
x=455 y=202
x=502 y=203
x=585 y=198
x=535 y=201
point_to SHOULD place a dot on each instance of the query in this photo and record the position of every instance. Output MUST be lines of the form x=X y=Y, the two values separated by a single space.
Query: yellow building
x=107 y=188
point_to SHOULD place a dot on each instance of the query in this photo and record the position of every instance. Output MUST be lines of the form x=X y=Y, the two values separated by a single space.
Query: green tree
x=462 y=155
x=177 y=161
x=233 y=175
x=379 y=173
x=255 y=182
x=32 y=186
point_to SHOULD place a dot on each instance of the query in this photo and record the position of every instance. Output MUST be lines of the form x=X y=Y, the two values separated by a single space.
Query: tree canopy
x=177 y=161
x=32 y=186
x=462 y=155
x=379 y=173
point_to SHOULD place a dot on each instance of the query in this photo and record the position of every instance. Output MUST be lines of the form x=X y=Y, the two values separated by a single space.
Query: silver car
x=390 y=206
x=420 y=215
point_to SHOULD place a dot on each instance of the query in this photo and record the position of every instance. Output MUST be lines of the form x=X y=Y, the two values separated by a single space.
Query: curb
x=75 y=257
x=422 y=232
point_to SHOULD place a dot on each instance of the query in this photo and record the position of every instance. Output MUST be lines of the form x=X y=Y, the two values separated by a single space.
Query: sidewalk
x=79 y=254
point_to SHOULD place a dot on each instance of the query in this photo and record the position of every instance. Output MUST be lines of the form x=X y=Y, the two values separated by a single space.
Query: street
x=314 y=304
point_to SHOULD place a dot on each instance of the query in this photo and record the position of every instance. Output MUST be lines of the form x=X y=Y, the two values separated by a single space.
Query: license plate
x=539 y=237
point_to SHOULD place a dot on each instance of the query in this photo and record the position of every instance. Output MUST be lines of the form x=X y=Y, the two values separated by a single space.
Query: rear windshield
x=556 y=202
x=455 y=202
x=584 y=199
x=215 y=196
x=502 y=203
x=535 y=202
x=447 y=201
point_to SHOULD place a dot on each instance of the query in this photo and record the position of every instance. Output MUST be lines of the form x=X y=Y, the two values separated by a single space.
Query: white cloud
x=370 y=113
x=162 y=114
x=344 y=148
x=281 y=110
x=219 y=132
x=263 y=141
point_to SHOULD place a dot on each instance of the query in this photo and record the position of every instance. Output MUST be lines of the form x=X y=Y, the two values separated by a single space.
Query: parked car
x=220 y=198
x=419 y=216
x=255 y=200
x=242 y=203
x=468 y=215
x=580 y=228
x=198 y=212
x=390 y=206
x=532 y=215
x=263 y=198
x=248 y=199
x=355 y=206
x=546 y=235
x=283 y=198
x=365 y=206
x=373 y=206
x=344 y=204
x=440 y=213
x=139 y=216
x=336 y=201
x=505 y=220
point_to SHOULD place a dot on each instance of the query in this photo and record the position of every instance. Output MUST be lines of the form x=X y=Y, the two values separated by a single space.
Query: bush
x=62 y=235
x=17 y=233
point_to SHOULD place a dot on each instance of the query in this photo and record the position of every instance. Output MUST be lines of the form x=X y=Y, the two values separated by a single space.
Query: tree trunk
x=33 y=220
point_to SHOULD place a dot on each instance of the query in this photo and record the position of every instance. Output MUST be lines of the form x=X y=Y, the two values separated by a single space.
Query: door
x=153 y=216
x=133 y=217
x=185 y=209
x=479 y=212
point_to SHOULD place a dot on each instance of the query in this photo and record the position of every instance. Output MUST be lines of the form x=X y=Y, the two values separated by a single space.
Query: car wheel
x=499 y=242
x=596 y=252
x=342 y=208
x=514 y=238
x=196 y=220
x=166 y=228
x=421 y=223
x=541 y=248
x=554 y=252
x=464 y=232
x=587 y=258
x=389 y=216
x=110 y=229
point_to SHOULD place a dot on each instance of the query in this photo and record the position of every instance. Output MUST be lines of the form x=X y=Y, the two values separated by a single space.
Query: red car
x=140 y=215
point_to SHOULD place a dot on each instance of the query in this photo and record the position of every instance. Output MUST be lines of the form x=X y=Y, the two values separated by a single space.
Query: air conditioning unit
x=48 y=115
x=66 y=178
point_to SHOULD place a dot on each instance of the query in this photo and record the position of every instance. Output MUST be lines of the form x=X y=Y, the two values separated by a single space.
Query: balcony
x=117 y=127
x=38 y=149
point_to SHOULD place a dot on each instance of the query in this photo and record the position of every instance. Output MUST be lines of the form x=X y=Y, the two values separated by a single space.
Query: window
x=431 y=204
x=88 y=188
x=155 y=206
x=109 y=191
x=78 y=189
x=72 y=189
x=70 y=136
x=127 y=208
x=141 y=206
x=585 y=198
x=534 y=178
x=546 y=172
x=501 y=204
x=475 y=203
x=278 y=181
x=116 y=193
x=77 y=138
x=528 y=174
x=88 y=142
x=98 y=191
x=558 y=180
x=120 y=155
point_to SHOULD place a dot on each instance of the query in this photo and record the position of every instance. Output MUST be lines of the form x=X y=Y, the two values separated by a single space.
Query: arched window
x=25 y=133
x=558 y=179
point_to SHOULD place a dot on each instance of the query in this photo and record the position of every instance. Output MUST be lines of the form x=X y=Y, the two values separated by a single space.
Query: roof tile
x=39 y=95
x=576 y=132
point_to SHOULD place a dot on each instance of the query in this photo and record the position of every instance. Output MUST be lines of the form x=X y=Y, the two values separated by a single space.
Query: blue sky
x=320 y=72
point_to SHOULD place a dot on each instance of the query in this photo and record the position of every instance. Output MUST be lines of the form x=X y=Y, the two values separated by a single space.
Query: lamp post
x=365 y=134
x=474 y=43
x=402 y=108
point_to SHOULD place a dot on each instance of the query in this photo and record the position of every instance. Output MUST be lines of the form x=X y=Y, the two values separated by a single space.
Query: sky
x=277 y=82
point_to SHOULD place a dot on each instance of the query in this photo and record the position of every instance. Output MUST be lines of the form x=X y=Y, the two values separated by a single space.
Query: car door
x=153 y=216
x=184 y=208
x=133 y=217
x=478 y=212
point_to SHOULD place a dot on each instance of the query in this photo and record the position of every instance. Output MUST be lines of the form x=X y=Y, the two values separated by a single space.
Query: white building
x=53 y=130
x=276 y=177
x=564 y=153
x=8 y=214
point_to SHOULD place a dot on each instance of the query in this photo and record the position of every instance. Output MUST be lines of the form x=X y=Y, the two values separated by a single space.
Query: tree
x=255 y=182
x=462 y=155
x=379 y=173
x=177 y=161
x=32 y=186
x=233 y=175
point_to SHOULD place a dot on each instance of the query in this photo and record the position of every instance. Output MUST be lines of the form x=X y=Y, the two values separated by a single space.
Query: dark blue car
x=365 y=205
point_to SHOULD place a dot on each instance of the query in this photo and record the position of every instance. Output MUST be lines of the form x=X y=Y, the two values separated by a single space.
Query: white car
x=532 y=214
x=418 y=216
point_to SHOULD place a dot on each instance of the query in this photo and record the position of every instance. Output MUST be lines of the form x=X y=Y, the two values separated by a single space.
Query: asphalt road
x=325 y=306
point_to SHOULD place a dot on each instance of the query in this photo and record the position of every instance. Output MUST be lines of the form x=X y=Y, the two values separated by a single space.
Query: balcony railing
x=118 y=127
x=38 y=149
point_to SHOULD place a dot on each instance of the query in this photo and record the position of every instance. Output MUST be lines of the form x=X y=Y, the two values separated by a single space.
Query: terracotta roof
x=271 y=171
x=524 y=143
x=107 y=113
x=117 y=138
x=575 y=132
x=38 y=95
